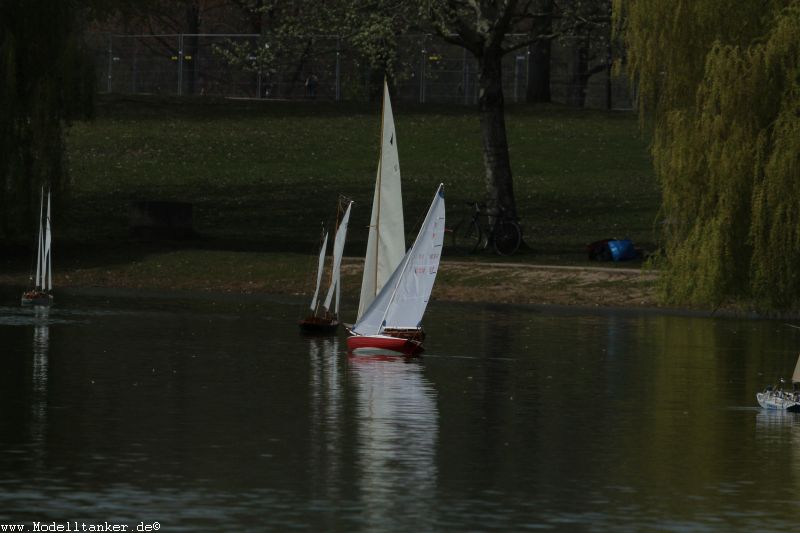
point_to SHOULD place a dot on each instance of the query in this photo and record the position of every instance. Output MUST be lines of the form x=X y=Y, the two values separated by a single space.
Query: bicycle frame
x=502 y=232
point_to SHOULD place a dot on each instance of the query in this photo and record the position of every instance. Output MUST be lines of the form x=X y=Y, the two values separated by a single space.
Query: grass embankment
x=263 y=175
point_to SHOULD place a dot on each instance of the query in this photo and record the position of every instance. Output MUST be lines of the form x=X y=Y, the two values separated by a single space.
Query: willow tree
x=719 y=83
x=45 y=79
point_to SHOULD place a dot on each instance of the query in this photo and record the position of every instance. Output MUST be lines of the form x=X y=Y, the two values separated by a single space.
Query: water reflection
x=41 y=346
x=778 y=434
x=211 y=416
x=398 y=430
x=326 y=414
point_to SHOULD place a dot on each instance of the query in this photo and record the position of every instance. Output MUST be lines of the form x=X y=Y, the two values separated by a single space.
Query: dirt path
x=464 y=281
x=538 y=284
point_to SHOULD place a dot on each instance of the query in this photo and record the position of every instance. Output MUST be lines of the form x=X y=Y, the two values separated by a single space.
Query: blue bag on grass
x=621 y=249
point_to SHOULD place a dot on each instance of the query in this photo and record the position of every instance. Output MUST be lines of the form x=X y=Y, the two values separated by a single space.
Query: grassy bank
x=262 y=176
x=244 y=272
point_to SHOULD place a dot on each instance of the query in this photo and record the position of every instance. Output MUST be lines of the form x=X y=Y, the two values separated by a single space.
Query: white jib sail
x=386 y=242
x=796 y=375
x=320 y=267
x=38 y=282
x=47 y=253
x=402 y=301
x=338 y=249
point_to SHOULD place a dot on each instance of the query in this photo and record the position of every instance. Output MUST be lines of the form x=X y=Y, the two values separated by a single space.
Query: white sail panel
x=39 y=281
x=414 y=288
x=386 y=242
x=48 y=265
x=403 y=299
x=338 y=296
x=338 y=249
x=796 y=375
x=371 y=321
x=320 y=267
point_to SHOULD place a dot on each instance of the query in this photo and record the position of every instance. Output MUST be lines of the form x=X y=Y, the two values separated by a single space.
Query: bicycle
x=502 y=232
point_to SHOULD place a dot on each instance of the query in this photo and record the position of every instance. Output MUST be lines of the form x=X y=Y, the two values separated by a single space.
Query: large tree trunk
x=257 y=17
x=539 y=69
x=578 y=65
x=539 y=58
x=499 y=184
x=191 y=46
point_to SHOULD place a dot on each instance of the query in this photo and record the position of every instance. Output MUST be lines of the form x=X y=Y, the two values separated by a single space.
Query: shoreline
x=290 y=274
x=551 y=308
x=590 y=288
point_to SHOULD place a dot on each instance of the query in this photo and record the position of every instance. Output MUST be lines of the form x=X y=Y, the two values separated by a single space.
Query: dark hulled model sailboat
x=322 y=320
x=42 y=291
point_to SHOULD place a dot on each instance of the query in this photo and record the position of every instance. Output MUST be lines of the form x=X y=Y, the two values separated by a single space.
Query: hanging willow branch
x=722 y=98
x=45 y=78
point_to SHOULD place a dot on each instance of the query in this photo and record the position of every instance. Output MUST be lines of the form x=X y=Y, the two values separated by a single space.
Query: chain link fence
x=428 y=70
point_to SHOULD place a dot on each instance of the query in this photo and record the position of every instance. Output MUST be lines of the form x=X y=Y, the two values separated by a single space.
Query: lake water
x=211 y=413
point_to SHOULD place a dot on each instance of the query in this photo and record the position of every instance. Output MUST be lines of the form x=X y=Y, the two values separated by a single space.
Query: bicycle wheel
x=507 y=237
x=467 y=236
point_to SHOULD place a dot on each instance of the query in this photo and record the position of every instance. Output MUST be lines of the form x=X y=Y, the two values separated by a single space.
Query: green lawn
x=263 y=175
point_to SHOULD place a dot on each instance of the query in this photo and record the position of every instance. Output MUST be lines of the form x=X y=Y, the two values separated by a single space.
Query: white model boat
x=42 y=291
x=779 y=399
x=393 y=321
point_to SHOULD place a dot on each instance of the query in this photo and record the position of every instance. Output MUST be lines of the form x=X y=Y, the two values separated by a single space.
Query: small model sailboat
x=321 y=320
x=772 y=398
x=42 y=291
x=393 y=321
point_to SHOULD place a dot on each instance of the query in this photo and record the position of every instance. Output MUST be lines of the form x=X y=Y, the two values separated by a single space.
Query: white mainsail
x=338 y=249
x=320 y=267
x=48 y=264
x=44 y=260
x=40 y=246
x=796 y=375
x=386 y=242
x=402 y=301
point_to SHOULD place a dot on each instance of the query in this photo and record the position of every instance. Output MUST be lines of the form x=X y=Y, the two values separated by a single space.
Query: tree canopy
x=719 y=83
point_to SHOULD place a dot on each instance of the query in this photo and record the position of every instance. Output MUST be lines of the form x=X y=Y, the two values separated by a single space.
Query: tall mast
x=48 y=253
x=320 y=266
x=39 y=278
x=336 y=256
x=378 y=187
x=335 y=231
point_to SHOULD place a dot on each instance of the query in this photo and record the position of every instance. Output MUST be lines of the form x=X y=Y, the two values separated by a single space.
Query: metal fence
x=428 y=70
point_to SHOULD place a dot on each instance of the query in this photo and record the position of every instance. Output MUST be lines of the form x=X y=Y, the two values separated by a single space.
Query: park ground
x=290 y=274
x=262 y=177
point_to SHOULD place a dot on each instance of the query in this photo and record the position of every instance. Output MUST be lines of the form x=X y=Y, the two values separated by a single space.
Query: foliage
x=488 y=30
x=45 y=79
x=289 y=34
x=372 y=28
x=720 y=83
x=285 y=35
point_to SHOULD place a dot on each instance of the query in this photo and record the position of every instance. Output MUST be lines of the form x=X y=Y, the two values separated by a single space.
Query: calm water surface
x=212 y=413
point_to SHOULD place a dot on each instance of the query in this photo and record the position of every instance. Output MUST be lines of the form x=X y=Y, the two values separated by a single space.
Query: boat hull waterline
x=37 y=299
x=318 y=326
x=377 y=344
x=780 y=401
